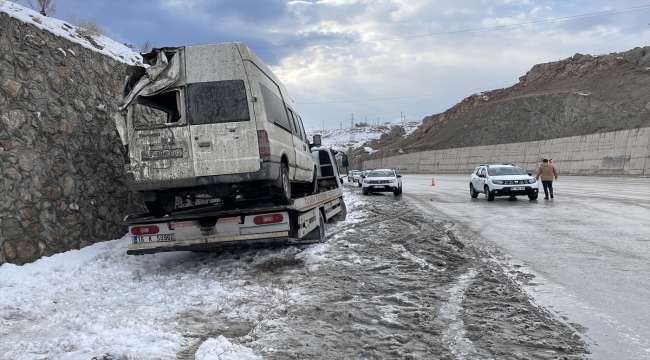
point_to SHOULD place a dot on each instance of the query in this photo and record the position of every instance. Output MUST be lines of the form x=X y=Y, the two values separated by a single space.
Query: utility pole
x=341 y=125
x=351 y=121
x=401 y=118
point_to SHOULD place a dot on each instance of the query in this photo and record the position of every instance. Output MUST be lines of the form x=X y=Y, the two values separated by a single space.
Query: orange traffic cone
x=433 y=182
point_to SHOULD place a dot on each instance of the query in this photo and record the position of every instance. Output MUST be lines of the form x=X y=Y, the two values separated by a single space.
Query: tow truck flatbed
x=217 y=209
x=217 y=225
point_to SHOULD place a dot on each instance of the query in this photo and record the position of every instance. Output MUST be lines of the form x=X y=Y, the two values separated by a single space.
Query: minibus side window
x=275 y=110
x=294 y=122
x=302 y=128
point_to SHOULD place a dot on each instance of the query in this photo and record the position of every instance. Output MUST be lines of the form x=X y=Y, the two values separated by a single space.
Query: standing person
x=548 y=173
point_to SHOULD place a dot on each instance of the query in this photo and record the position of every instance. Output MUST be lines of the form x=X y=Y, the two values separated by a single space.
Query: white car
x=382 y=180
x=502 y=180
x=362 y=175
x=354 y=175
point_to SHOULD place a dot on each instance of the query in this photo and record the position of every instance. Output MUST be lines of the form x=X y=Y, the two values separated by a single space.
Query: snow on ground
x=348 y=139
x=61 y=28
x=98 y=301
x=222 y=349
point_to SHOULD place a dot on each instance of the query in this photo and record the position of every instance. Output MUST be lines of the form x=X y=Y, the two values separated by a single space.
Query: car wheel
x=360 y=184
x=364 y=192
x=396 y=192
x=400 y=190
x=229 y=201
x=163 y=205
x=282 y=189
x=472 y=192
x=488 y=194
x=532 y=197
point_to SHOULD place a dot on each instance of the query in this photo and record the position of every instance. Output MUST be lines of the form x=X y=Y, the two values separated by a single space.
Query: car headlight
x=392 y=181
x=532 y=181
x=366 y=181
x=498 y=182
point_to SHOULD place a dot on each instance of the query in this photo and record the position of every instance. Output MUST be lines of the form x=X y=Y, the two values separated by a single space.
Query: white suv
x=382 y=180
x=502 y=180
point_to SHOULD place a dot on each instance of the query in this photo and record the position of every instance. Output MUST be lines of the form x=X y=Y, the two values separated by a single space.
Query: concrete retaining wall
x=625 y=152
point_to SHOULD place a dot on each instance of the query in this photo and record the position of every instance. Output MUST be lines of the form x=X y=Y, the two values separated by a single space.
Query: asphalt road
x=589 y=249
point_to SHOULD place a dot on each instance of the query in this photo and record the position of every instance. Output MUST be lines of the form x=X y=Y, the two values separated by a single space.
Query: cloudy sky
x=378 y=59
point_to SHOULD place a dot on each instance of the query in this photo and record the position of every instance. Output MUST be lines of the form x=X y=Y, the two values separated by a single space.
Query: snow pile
x=222 y=349
x=99 y=301
x=368 y=149
x=348 y=139
x=97 y=43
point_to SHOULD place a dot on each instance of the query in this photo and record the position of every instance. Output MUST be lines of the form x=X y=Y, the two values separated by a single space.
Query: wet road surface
x=589 y=248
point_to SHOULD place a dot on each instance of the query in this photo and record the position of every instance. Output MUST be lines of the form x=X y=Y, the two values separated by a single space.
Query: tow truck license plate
x=153 y=238
x=517 y=188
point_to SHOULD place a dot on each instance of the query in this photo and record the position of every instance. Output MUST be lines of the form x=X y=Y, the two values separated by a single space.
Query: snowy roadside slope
x=100 y=302
x=103 y=44
x=349 y=139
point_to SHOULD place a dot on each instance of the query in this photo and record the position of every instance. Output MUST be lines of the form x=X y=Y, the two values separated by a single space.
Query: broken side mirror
x=399 y=176
x=344 y=161
x=530 y=174
x=316 y=142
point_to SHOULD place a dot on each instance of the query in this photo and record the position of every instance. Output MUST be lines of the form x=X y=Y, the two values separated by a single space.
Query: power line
x=463 y=32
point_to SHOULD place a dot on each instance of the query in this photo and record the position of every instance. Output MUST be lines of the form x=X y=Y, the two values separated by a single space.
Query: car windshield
x=382 y=173
x=499 y=171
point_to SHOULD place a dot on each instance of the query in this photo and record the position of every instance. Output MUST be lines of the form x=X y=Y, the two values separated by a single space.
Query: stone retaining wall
x=60 y=156
x=625 y=152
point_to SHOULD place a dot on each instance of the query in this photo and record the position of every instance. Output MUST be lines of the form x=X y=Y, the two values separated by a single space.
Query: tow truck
x=220 y=225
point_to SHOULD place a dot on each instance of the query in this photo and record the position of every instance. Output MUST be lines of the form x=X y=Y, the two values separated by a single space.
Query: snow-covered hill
x=348 y=139
x=98 y=43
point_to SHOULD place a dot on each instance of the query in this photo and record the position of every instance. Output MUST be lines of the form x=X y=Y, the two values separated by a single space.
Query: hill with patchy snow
x=348 y=139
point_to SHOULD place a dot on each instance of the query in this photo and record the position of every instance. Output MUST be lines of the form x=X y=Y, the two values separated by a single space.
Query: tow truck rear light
x=145 y=230
x=263 y=143
x=177 y=225
x=268 y=219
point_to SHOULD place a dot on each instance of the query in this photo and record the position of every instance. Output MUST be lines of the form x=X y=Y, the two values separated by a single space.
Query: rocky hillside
x=579 y=95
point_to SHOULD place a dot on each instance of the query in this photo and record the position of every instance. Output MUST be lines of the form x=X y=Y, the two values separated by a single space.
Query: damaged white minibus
x=211 y=121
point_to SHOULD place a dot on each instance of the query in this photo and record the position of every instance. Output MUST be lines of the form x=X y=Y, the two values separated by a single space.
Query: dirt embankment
x=579 y=95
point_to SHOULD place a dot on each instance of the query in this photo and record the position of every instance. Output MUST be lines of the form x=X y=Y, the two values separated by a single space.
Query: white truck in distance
x=245 y=222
